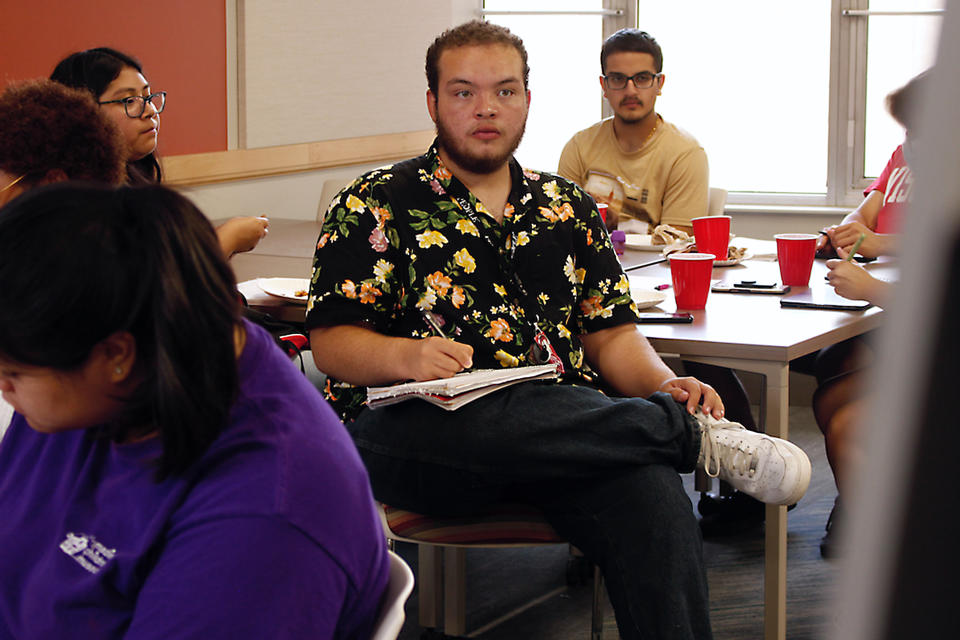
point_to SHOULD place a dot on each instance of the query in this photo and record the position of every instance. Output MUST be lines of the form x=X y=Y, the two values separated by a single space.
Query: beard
x=480 y=164
x=635 y=119
x=631 y=120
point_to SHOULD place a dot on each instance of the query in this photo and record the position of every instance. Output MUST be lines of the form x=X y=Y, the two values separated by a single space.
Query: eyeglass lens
x=642 y=80
x=136 y=105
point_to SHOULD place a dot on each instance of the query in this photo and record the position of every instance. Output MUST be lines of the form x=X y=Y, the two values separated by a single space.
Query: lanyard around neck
x=505 y=266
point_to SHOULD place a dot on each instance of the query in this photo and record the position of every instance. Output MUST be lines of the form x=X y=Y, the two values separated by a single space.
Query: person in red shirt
x=879 y=215
x=839 y=398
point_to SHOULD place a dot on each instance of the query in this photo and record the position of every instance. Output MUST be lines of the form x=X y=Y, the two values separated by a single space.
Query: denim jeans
x=603 y=470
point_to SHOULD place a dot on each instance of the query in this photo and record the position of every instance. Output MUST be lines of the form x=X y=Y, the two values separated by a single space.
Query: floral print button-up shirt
x=406 y=250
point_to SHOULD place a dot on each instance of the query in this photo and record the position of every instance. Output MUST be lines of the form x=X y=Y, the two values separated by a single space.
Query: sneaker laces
x=740 y=458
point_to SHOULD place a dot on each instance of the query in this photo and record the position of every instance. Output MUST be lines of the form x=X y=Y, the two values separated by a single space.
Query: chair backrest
x=716 y=201
x=330 y=188
x=391 y=617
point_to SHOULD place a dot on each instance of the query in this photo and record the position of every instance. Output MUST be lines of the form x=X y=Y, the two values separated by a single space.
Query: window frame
x=846 y=141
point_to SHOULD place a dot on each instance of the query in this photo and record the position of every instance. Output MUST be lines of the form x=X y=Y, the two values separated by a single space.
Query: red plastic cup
x=712 y=235
x=602 y=208
x=795 y=253
x=690 y=273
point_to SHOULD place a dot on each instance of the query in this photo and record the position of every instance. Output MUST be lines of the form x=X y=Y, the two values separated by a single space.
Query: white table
x=286 y=252
x=751 y=332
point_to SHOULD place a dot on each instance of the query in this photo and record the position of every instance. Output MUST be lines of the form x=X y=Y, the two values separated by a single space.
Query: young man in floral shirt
x=511 y=266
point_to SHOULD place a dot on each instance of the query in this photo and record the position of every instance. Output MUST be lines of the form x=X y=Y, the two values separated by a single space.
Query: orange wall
x=181 y=44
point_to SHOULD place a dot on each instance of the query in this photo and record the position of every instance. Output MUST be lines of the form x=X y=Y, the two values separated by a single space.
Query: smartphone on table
x=652 y=317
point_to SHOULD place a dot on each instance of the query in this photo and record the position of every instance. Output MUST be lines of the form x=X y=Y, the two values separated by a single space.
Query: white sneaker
x=772 y=470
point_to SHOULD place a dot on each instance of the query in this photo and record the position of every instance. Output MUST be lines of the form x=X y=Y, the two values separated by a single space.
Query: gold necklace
x=650 y=135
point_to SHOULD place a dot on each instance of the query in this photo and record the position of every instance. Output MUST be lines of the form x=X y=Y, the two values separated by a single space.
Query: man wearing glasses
x=651 y=172
x=647 y=170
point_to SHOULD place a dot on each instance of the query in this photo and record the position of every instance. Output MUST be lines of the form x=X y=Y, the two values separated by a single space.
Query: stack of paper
x=451 y=393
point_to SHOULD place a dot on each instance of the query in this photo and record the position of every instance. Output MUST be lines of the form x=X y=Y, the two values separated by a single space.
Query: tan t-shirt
x=665 y=182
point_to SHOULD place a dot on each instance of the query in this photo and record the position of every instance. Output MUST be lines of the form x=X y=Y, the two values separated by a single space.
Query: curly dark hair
x=45 y=126
x=475 y=32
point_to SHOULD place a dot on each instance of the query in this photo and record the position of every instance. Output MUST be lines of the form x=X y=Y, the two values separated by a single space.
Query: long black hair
x=94 y=70
x=80 y=262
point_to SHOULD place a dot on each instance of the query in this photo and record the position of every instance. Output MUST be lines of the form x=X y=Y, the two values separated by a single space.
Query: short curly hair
x=473 y=33
x=45 y=126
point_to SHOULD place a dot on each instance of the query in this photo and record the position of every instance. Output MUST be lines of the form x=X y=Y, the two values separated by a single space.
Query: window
x=898 y=48
x=787 y=98
x=751 y=81
x=563 y=51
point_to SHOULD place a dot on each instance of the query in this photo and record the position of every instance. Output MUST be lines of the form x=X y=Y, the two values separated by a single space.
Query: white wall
x=320 y=70
x=328 y=70
x=295 y=196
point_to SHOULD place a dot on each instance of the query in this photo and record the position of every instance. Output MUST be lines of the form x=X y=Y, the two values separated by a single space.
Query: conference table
x=752 y=332
x=746 y=332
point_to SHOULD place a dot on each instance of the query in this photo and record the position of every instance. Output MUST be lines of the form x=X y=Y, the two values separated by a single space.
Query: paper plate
x=641 y=242
x=293 y=289
x=645 y=298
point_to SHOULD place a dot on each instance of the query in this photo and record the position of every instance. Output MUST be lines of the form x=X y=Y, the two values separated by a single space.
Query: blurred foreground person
x=168 y=473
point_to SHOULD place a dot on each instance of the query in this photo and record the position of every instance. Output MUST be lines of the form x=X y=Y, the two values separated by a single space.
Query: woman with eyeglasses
x=119 y=86
x=168 y=472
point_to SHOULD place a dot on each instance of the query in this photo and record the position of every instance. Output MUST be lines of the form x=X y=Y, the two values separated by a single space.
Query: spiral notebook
x=456 y=391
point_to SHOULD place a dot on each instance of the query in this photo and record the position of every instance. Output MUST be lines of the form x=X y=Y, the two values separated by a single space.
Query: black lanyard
x=541 y=350
x=506 y=267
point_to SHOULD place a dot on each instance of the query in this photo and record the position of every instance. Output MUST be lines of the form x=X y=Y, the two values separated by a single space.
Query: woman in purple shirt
x=168 y=472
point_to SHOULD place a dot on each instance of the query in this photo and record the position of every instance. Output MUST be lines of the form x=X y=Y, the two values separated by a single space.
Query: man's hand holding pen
x=437 y=356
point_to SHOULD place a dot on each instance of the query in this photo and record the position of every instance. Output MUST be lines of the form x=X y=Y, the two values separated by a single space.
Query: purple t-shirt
x=272 y=534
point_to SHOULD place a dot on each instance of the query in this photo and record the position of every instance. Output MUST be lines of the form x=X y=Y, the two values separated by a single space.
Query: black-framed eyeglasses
x=642 y=80
x=134 y=106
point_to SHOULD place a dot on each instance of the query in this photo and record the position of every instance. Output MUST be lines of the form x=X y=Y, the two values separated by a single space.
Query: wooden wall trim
x=244 y=164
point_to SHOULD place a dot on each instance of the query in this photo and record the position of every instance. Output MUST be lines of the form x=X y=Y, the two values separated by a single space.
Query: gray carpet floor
x=521 y=593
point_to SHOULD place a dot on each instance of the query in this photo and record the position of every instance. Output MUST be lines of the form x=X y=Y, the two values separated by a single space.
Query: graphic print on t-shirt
x=625 y=200
x=89 y=554
x=899 y=186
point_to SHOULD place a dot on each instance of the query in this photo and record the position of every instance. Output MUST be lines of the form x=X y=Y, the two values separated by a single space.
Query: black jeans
x=604 y=471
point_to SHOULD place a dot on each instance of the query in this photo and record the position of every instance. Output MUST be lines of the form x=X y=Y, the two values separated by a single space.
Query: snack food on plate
x=666 y=235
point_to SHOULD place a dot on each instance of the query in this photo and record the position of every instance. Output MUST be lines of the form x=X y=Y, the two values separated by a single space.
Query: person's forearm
x=868 y=210
x=626 y=361
x=888 y=244
x=853 y=216
x=359 y=356
x=878 y=292
x=227 y=242
x=364 y=357
x=241 y=234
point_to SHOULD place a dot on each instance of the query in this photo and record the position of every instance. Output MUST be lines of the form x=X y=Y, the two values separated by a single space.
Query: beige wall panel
x=328 y=69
